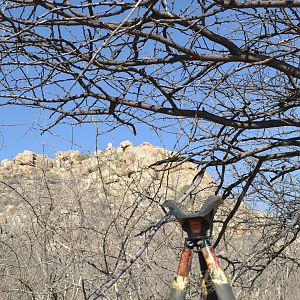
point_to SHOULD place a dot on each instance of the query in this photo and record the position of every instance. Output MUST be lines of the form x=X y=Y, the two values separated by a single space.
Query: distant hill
x=70 y=223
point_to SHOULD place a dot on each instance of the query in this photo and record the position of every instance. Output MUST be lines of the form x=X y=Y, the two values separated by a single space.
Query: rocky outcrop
x=25 y=163
x=122 y=164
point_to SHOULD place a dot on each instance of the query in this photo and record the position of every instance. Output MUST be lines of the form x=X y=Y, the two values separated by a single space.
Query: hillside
x=70 y=223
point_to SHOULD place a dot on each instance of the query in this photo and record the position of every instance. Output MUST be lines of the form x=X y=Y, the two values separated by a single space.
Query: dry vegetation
x=63 y=237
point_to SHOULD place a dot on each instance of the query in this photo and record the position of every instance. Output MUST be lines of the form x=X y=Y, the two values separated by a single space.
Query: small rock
x=125 y=144
x=109 y=146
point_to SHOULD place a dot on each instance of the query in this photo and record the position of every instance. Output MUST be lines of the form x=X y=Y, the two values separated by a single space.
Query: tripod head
x=196 y=224
x=215 y=285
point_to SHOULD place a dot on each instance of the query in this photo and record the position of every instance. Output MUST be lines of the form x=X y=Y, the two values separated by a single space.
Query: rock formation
x=109 y=166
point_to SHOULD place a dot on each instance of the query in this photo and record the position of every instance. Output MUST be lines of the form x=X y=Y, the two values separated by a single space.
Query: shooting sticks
x=214 y=283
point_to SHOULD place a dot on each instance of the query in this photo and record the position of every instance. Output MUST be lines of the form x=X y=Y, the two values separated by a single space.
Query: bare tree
x=222 y=74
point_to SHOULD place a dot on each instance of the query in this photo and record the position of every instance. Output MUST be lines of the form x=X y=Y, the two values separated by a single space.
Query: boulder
x=25 y=158
x=65 y=159
x=125 y=145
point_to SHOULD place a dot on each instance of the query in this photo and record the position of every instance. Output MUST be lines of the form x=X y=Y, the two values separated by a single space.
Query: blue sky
x=20 y=129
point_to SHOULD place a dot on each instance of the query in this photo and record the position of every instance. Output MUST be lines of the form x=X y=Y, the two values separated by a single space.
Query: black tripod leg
x=217 y=286
x=181 y=280
x=207 y=290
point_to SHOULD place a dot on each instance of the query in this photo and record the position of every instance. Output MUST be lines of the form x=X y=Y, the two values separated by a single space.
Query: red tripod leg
x=215 y=280
x=181 y=279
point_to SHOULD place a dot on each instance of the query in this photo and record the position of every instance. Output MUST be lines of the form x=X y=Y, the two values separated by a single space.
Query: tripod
x=214 y=283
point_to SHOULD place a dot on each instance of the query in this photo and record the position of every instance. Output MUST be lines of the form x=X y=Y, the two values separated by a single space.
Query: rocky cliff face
x=111 y=170
x=111 y=165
